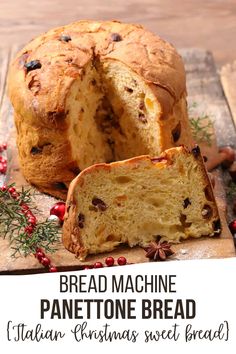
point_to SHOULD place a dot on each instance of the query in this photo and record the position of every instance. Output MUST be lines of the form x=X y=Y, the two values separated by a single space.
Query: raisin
x=32 y=65
x=54 y=116
x=110 y=141
x=69 y=60
x=65 y=38
x=186 y=203
x=196 y=151
x=217 y=226
x=205 y=159
x=115 y=124
x=116 y=37
x=142 y=117
x=176 y=132
x=99 y=204
x=93 y=82
x=141 y=106
x=81 y=219
x=128 y=89
x=60 y=185
x=36 y=150
x=75 y=170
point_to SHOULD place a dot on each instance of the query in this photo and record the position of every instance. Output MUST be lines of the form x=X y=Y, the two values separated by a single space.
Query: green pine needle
x=201 y=126
x=13 y=223
x=231 y=189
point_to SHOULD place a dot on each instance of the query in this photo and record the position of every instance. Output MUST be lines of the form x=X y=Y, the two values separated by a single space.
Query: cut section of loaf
x=138 y=200
x=95 y=92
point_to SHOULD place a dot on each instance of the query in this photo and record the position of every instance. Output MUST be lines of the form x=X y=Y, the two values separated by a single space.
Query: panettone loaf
x=95 y=92
x=137 y=200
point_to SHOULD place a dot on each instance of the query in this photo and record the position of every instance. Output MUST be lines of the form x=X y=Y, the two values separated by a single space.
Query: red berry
x=3 y=160
x=53 y=269
x=59 y=210
x=3 y=167
x=39 y=249
x=28 y=213
x=121 y=261
x=1 y=148
x=32 y=220
x=86 y=267
x=29 y=229
x=45 y=261
x=11 y=190
x=232 y=226
x=4 y=146
x=109 y=261
x=3 y=188
x=24 y=207
x=98 y=265
x=15 y=195
x=40 y=255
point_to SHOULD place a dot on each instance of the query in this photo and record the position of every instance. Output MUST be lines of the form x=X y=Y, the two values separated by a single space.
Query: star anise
x=158 y=251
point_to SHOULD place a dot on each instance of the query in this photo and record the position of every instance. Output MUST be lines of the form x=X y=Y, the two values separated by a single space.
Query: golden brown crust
x=39 y=96
x=147 y=54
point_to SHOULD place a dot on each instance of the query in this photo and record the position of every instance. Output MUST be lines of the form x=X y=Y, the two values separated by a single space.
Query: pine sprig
x=231 y=190
x=13 y=225
x=201 y=129
x=201 y=126
x=44 y=236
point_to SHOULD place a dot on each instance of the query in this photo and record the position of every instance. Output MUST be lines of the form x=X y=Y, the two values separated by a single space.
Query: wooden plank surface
x=205 y=89
x=6 y=55
x=4 y=61
x=228 y=79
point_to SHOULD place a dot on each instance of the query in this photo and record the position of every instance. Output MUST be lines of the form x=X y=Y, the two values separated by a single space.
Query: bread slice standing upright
x=139 y=200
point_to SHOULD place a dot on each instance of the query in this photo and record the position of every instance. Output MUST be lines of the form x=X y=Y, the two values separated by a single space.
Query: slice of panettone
x=137 y=200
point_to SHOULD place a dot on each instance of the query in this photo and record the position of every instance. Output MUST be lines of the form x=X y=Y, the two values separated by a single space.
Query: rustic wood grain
x=6 y=124
x=228 y=79
x=204 y=88
x=4 y=60
x=203 y=23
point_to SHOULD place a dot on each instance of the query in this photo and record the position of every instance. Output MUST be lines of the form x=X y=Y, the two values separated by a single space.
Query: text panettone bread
x=138 y=200
x=95 y=92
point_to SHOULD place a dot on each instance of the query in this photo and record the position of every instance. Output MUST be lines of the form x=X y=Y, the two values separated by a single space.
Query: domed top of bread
x=42 y=73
